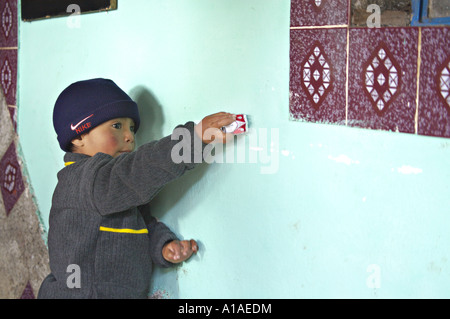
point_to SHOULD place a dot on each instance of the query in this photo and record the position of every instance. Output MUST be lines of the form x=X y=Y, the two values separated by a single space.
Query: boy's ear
x=78 y=141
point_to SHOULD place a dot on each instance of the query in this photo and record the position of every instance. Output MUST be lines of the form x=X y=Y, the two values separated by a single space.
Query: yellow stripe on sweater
x=124 y=230
x=68 y=163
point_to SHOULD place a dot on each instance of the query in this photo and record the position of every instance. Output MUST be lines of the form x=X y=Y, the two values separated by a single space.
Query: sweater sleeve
x=133 y=179
x=159 y=234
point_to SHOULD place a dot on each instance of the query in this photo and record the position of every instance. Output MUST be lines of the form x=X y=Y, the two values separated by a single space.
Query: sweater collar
x=74 y=157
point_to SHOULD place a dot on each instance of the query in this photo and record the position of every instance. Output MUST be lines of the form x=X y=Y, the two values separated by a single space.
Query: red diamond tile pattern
x=319 y=12
x=317 y=76
x=11 y=178
x=8 y=23
x=383 y=78
x=8 y=74
x=378 y=85
x=434 y=100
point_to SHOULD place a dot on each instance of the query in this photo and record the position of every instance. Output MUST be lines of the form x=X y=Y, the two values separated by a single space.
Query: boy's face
x=113 y=137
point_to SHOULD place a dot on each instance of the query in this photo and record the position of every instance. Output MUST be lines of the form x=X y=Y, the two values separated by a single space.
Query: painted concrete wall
x=313 y=210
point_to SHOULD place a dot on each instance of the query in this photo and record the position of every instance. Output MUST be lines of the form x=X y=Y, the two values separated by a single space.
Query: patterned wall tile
x=383 y=78
x=8 y=74
x=24 y=261
x=434 y=93
x=11 y=180
x=319 y=12
x=318 y=75
x=8 y=23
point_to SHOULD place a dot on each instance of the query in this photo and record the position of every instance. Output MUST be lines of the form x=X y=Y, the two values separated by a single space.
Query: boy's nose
x=129 y=137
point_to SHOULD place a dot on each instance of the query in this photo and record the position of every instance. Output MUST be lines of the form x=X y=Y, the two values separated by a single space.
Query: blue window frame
x=421 y=16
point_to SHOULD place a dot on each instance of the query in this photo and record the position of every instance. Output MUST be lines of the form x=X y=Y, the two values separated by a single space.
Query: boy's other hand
x=178 y=251
x=209 y=129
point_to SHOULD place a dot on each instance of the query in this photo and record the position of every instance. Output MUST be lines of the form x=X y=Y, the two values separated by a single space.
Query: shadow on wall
x=150 y=111
x=164 y=281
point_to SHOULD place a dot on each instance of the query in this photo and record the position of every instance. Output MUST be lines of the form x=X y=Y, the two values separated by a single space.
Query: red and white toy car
x=240 y=126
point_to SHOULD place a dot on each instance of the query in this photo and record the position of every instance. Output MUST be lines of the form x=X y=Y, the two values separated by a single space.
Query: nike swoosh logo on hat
x=73 y=128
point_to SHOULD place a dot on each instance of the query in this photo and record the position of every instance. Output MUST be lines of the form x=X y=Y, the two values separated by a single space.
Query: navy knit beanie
x=87 y=104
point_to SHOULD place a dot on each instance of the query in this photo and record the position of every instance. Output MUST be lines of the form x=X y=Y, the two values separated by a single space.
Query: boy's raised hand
x=209 y=129
x=178 y=251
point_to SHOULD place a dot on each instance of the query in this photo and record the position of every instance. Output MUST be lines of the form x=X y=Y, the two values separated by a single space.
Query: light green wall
x=339 y=199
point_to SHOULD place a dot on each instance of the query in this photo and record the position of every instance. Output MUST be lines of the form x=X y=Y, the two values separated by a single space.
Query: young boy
x=101 y=228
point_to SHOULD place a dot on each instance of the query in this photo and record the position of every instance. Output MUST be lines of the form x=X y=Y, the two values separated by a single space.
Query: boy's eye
x=118 y=126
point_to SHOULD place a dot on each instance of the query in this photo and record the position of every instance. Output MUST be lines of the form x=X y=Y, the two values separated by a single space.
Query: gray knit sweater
x=100 y=221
